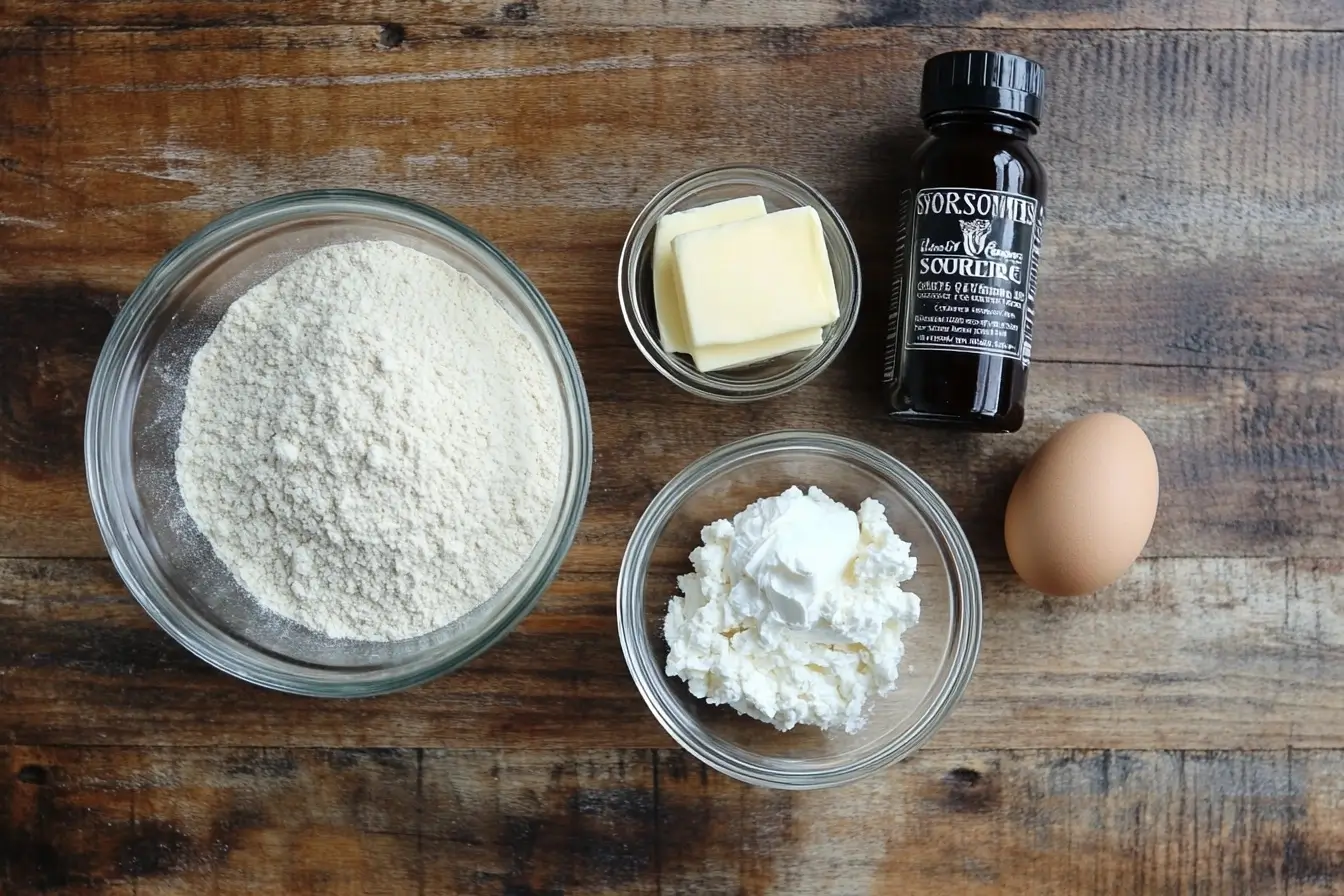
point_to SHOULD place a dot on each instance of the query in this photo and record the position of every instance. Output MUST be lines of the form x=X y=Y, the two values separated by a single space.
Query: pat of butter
x=667 y=303
x=717 y=357
x=754 y=279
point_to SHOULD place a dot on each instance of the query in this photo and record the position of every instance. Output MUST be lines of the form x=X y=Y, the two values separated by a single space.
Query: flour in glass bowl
x=370 y=443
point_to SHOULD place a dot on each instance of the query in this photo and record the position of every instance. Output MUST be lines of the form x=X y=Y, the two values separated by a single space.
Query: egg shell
x=1083 y=507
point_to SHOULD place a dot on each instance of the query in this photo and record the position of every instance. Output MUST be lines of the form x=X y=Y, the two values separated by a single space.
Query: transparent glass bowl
x=940 y=651
x=134 y=414
x=764 y=379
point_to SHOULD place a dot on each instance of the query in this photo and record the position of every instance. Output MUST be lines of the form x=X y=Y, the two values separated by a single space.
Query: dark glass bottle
x=959 y=333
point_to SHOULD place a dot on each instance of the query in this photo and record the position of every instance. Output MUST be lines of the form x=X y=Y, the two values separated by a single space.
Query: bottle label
x=967 y=271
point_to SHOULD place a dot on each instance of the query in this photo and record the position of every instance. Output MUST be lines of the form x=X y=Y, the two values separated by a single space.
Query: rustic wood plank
x=1171 y=245
x=1240 y=475
x=1201 y=654
x=109 y=165
x=49 y=342
x=654 y=13
x=402 y=19
x=1248 y=460
x=1045 y=823
x=328 y=821
x=1302 y=14
x=1039 y=823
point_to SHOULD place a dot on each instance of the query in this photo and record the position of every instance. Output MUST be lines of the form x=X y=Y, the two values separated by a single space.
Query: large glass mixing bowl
x=134 y=414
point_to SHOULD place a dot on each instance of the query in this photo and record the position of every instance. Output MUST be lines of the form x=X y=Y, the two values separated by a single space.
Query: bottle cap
x=982 y=79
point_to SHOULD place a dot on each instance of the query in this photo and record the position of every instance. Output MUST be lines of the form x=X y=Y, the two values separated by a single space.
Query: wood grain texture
x=1044 y=823
x=1232 y=14
x=1222 y=342
x=1220 y=148
x=1192 y=280
x=1187 y=654
x=50 y=336
x=404 y=18
x=1249 y=461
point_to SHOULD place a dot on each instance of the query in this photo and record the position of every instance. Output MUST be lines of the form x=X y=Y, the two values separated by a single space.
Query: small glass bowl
x=940 y=650
x=764 y=379
x=134 y=416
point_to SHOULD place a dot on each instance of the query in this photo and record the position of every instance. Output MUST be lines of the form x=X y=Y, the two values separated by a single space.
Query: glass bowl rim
x=111 y=398
x=653 y=683
x=707 y=385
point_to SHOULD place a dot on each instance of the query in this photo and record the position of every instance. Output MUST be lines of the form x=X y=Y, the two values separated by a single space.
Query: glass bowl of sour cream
x=931 y=664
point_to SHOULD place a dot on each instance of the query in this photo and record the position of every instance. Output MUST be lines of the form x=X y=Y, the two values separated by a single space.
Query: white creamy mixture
x=794 y=614
x=370 y=443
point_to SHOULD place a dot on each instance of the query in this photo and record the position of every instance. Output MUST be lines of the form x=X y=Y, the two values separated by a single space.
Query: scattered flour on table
x=370 y=443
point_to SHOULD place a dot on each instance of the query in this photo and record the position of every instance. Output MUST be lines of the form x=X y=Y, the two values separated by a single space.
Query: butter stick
x=754 y=279
x=720 y=357
x=667 y=301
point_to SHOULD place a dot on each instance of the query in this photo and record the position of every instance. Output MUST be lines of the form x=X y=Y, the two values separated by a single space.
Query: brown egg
x=1083 y=507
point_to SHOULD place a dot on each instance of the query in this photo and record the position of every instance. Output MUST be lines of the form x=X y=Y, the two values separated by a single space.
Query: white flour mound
x=370 y=443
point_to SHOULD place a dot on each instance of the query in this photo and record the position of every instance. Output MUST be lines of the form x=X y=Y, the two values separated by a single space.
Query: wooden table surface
x=1181 y=732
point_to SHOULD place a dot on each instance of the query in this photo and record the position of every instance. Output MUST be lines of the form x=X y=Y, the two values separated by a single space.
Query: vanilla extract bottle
x=964 y=290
